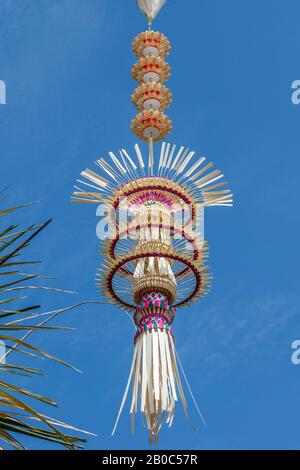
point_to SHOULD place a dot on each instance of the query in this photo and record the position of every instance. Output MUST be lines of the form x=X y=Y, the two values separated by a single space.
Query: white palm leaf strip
x=160 y=376
x=170 y=368
x=208 y=194
x=124 y=162
x=161 y=157
x=117 y=163
x=224 y=204
x=171 y=408
x=189 y=387
x=132 y=168
x=137 y=375
x=182 y=159
x=165 y=159
x=84 y=192
x=166 y=154
x=90 y=185
x=126 y=390
x=168 y=163
x=102 y=164
x=175 y=161
x=144 y=375
x=159 y=425
x=151 y=156
x=89 y=197
x=149 y=371
x=94 y=178
x=84 y=200
x=213 y=187
x=200 y=172
x=181 y=392
x=130 y=160
x=216 y=201
x=135 y=383
x=210 y=178
x=139 y=157
x=185 y=162
x=156 y=365
x=219 y=195
x=164 y=376
x=147 y=415
x=194 y=167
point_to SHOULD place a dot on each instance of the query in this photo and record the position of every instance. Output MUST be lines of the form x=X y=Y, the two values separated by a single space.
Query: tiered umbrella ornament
x=154 y=255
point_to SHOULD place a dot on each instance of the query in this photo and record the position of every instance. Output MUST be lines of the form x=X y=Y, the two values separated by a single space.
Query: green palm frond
x=15 y=412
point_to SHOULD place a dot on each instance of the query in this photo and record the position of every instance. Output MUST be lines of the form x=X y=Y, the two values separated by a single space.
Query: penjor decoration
x=154 y=258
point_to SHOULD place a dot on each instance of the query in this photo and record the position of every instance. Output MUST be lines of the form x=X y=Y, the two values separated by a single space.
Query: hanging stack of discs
x=151 y=98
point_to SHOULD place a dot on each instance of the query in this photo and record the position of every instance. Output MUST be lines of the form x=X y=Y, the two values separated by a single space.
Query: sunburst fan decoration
x=154 y=255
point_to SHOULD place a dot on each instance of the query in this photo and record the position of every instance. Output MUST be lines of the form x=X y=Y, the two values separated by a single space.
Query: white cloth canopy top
x=151 y=8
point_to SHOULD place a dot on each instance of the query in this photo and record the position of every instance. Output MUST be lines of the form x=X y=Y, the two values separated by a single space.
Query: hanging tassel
x=154 y=375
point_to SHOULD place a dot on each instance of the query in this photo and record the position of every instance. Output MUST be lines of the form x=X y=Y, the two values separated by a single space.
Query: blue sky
x=66 y=64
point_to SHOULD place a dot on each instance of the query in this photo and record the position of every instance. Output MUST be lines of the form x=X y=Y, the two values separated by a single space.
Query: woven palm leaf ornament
x=154 y=260
x=151 y=8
